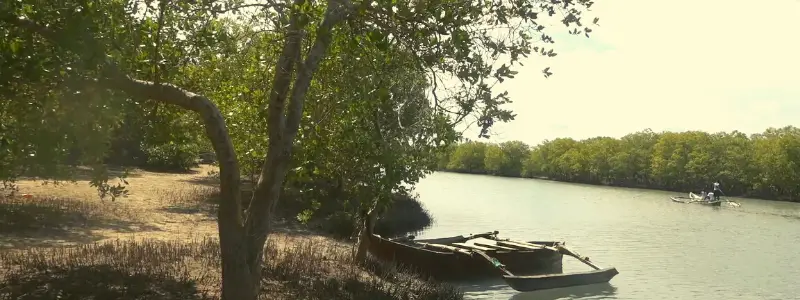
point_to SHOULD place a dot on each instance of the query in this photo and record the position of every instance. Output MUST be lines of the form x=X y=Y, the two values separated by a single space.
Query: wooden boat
x=694 y=198
x=719 y=202
x=680 y=199
x=525 y=266
x=451 y=258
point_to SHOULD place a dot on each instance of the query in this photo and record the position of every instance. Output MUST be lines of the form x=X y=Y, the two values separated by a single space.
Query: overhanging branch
x=213 y=121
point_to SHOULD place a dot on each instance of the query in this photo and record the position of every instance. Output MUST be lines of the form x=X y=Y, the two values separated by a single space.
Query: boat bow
x=527 y=283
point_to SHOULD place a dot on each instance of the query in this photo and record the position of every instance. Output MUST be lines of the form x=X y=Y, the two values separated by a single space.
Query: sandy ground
x=40 y=219
x=162 y=206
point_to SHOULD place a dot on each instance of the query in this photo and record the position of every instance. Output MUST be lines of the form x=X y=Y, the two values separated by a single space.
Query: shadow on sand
x=99 y=282
x=46 y=222
x=83 y=173
x=498 y=286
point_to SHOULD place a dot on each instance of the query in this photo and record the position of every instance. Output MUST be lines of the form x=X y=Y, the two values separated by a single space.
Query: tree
x=469 y=157
x=776 y=152
x=737 y=169
x=90 y=37
x=506 y=158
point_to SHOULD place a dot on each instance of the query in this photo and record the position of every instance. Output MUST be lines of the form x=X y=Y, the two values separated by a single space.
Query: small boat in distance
x=525 y=266
x=694 y=198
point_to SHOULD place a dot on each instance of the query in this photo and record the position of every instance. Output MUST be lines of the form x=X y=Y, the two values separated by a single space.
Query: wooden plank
x=471 y=247
x=515 y=246
x=486 y=235
x=447 y=248
x=403 y=238
x=574 y=254
x=522 y=245
x=496 y=263
x=498 y=247
x=536 y=246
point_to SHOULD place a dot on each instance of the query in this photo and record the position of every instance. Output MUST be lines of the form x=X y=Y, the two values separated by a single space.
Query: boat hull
x=552 y=281
x=711 y=203
x=461 y=266
x=694 y=199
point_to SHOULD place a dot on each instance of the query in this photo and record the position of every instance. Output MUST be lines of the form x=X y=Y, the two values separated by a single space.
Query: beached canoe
x=525 y=266
x=451 y=258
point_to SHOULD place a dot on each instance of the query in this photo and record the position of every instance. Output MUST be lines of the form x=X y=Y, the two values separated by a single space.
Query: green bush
x=172 y=157
x=406 y=215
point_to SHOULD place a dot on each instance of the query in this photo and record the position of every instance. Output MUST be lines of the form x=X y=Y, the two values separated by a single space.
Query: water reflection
x=594 y=291
x=484 y=286
x=497 y=289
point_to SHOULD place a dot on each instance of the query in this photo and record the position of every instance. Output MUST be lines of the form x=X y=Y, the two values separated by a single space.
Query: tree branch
x=283 y=76
x=281 y=140
x=216 y=130
x=280 y=8
x=336 y=12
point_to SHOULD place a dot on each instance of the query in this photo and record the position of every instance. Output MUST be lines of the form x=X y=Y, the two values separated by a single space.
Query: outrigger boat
x=694 y=198
x=525 y=266
x=701 y=201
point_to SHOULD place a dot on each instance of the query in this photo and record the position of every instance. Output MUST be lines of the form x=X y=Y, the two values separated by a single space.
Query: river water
x=662 y=249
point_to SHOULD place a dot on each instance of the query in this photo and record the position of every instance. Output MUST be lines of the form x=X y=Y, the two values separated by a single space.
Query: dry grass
x=296 y=268
x=52 y=221
x=160 y=206
x=318 y=268
x=159 y=244
x=110 y=270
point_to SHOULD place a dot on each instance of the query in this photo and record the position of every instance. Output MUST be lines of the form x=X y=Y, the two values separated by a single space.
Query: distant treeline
x=764 y=165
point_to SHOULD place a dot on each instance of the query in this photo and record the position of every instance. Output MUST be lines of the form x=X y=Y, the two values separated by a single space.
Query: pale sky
x=712 y=65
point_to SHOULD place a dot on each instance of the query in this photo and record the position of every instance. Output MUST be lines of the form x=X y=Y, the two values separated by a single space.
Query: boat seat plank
x=536 y=246
x=519 y=246
x=446 y=248
x=471 y=247
x=497 y=247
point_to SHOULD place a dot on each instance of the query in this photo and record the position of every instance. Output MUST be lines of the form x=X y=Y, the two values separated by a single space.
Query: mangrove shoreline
x=622 y=186
x=761 y=166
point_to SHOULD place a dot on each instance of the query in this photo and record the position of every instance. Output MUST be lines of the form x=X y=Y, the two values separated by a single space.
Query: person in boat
x=702 y=194
x=717 y=190
x=710 y=196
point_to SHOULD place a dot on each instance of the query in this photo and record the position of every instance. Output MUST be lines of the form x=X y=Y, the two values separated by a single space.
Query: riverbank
x=762 y=166
x=160 y=243
x=630 y=186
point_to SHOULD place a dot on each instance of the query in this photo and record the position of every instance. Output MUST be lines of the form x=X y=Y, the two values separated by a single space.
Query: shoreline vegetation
x=764 y=165
x=160 y=242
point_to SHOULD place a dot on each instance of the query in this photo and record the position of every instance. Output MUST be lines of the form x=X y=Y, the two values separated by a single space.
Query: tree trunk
x=283 y=128
x=238 y=282
x=367 y=228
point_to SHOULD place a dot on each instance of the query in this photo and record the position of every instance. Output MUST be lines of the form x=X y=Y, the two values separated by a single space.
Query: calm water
x=663 y=250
